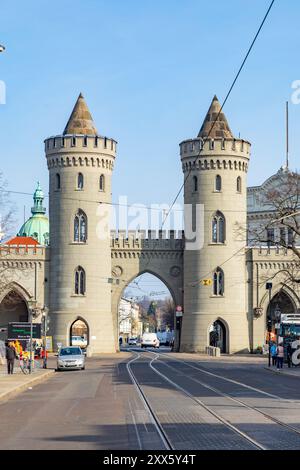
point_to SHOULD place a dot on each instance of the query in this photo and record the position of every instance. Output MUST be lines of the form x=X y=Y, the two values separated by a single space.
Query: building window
x=218 y=228
x=73 y=142
x=80 y=227
x=290 y=237
x=102 y=183
x=85 y=141
x=218 y=282
x=239 y=184
x=80 y=281
x=57 y=181
x=195 y=183
x=218 y=183
x=80 y=181
x=271 y=237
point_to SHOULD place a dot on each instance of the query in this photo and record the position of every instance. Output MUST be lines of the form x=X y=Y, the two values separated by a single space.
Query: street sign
x=178 y=308
x=21 y=331
x=178 y=314
x=206 y=282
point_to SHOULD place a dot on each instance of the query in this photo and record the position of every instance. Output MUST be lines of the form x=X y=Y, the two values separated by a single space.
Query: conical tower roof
x=221 y=129
x=80 y=121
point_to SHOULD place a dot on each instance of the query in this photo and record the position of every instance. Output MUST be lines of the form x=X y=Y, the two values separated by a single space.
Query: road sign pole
x=30 y=348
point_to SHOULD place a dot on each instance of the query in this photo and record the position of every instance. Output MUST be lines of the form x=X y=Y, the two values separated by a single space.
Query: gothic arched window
x=239 y=184
x=80 y=181
x=218 y=282
x=102 y=183
x=79 y=281
x=195 y=183
x=218 y=228
x=80 y=227
x=218 y=183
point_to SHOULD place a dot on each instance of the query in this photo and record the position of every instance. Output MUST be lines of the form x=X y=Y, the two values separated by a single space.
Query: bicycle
x=25 y=365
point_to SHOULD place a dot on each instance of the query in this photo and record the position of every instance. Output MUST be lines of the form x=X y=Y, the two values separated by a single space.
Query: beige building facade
x=209 y=270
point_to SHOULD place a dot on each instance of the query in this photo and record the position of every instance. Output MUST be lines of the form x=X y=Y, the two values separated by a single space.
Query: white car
x=70 y=358
x=150 y=340
x=132 y=341
x=79 y=341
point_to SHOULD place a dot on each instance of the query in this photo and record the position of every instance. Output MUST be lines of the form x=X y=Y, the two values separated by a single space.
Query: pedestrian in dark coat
x=10 y=357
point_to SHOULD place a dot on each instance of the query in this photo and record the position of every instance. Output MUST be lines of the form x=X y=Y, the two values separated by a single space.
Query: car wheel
x=83 y=368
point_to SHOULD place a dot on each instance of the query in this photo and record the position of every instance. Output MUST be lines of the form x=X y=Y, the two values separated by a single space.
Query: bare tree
x=7 y=225
x=281 y=227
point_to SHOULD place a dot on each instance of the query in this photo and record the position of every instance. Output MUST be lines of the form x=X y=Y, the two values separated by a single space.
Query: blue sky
x=148 y=71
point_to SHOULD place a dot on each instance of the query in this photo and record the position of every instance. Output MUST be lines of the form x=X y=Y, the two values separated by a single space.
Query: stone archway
x=219 y=336
x=119 y=288
x=13 y=308
x=79 y=334
x=280 y=302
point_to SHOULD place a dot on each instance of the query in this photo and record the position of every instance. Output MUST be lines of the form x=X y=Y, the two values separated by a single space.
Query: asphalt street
x=176 y=402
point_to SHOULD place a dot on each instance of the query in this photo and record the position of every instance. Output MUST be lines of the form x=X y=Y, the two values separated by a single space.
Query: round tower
x=215 y=309
x=80 y=164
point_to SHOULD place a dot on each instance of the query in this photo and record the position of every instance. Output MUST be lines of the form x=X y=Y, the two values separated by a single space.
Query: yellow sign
x=206 y=282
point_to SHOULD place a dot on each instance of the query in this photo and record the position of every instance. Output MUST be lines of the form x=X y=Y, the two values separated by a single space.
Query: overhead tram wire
x=213 y=124
x=217 y=117
x=221 y=109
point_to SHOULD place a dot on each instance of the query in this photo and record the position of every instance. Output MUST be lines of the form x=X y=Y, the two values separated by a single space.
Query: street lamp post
x=269 y=286
x=31 y=305
x=45 y=311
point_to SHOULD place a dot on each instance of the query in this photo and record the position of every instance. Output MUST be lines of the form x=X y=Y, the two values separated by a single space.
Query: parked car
x=132 y=341
x=70 y=358
x=150 y=340
x=79 y=341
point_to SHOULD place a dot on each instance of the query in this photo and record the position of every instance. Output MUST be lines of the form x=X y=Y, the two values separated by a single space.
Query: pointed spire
x=80 y=121
x=221 y=129
x=38 y=199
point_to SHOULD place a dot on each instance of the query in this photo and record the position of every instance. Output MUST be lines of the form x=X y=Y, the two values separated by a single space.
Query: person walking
x=273 y=350
x=10 y=358
x=289 y=351
x=280 y=356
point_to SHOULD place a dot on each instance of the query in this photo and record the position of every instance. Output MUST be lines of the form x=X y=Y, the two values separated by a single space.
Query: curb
x=281 y=373
x=19 y=388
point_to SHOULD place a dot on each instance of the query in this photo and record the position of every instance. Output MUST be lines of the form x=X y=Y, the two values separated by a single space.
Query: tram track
x=221 y=393
x=255 y=445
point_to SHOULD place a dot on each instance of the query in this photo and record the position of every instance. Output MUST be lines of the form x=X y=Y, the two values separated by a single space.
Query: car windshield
x=70 y=352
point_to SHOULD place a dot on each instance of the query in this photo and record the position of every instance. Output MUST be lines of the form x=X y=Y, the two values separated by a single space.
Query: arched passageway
x=145 y=305
x=218 y=336
x=13 y=308
x=280 y=303
x=79 y=333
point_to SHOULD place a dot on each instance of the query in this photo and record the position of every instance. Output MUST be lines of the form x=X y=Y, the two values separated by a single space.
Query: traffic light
x=269 y=323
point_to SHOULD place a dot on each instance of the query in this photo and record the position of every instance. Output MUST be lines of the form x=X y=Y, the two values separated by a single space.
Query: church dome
x=37 y=226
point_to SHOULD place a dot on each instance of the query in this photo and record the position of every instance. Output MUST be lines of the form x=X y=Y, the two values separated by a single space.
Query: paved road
x=198 y=404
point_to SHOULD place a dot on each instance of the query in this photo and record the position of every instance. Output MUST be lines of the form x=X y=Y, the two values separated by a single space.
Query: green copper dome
x=38 y=224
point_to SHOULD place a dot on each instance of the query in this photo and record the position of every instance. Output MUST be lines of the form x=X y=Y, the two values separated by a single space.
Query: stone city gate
x=138 y=253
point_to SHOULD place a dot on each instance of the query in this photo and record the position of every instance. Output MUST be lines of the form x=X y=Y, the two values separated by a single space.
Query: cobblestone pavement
x=228 y=405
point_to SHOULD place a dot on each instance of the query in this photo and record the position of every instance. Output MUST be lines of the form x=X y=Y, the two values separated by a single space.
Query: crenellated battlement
x=210 y=147
x=80 y=143
x=151 y=240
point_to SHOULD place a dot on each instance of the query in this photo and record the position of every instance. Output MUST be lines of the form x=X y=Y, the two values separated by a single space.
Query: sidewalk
x=292 y=372
x=11 y=385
